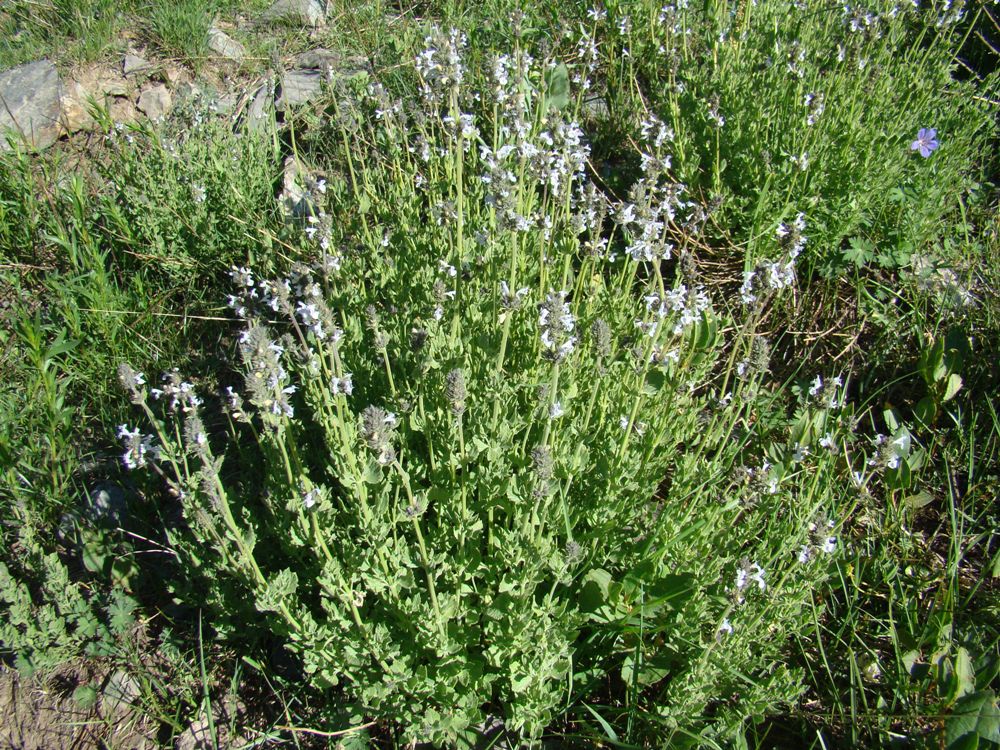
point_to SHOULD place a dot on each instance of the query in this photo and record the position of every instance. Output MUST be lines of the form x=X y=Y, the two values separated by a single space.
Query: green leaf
x=860 y=251
x=595 y=594
x=280 y=588
x=891 y=420
x=952 y=387
x=557 y=87
x=919 y=500
x=965 y=675
x=925 y=411
x=975 y=714
x=120 y=611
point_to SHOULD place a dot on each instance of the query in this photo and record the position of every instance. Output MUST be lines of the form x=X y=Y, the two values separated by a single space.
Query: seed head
x=541 y=463
x=600 y=334
x=455 y=391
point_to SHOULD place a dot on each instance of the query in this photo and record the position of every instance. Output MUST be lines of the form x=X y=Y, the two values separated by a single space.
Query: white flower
x=829 y=544
x=556 y=410
x=747 y=573
x=817 y=386
x=343 y=385
x=309 y=499
x=828 y=443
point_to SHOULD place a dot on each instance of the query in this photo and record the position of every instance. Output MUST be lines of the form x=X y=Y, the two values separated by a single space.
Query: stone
x=318 y=59
x=133 y=64
x=89 y=87
x=120 y=691
x=595 y=109
x=294 y=199
x=225 y=46
x=31 y=103
x=102 y=82
x=155 y=102
x=123 y=111
x=261 y=107
x=198 y=735
x=224 y=105
x=299 y=87
x=331 y=63
x=173 y=75
x=296 y=13
x=75 y=104
x=107 y=504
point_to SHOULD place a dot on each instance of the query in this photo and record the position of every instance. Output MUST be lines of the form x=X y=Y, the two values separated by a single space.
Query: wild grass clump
x=502 y=450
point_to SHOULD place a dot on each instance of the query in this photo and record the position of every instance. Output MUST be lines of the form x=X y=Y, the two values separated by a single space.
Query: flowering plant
x=487 y=412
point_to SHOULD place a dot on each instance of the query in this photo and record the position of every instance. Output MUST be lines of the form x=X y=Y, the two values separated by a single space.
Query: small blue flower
x=926 y=142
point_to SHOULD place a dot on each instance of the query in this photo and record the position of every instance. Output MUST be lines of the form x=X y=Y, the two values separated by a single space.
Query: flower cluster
x=138 y=447
x=440 y=66
x=378 y=428
x=267 y=379
x=556 y=325
x=780 y=274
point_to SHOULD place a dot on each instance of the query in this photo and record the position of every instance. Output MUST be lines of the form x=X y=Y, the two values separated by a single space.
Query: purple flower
x=926 y=142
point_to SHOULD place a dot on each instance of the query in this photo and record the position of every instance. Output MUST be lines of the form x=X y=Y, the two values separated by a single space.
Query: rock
x=595 y=109
x=296 y=12
x=225 y=46
x=31 y=103
x=261 y=107
x=133 y=64
x=294 y=199
x=189 y=92
x=299 y=87
x=332 y=63
x=318 y=59
x=173 y=75
x=101 y=82
x=155 y=102
x=120 y=691
x=198 y=735
x=107 y=504
x=123 y=111
x=76 y=108
x=90 y=86
x=224 y=105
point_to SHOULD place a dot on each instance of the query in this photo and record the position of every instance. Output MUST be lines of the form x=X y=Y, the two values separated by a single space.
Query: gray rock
x=198 y=735
x=106 y=504
x=30 y=103
x=299 y=87
x=294 y=199
x=225 y=46
x=332 y=64
x=261 y=107
x=595 y=109
x=155 y=102
x=296 y=12
x=133 y=64
x=318 y=59
x=120 y=691
x=224 y=105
